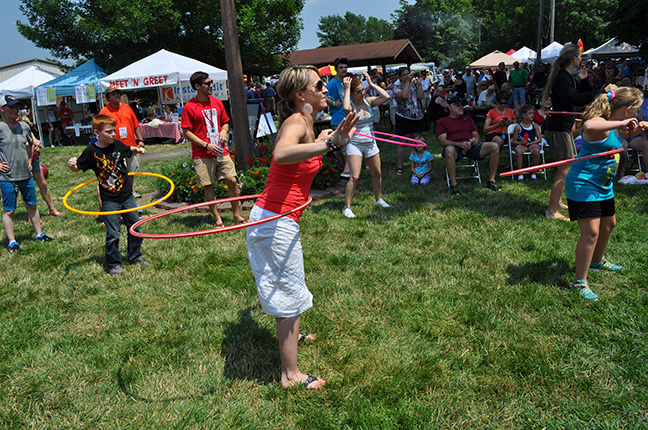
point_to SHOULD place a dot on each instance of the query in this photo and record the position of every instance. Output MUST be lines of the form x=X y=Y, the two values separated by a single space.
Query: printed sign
x=145 y=81
x=171 y=95
x=46 y=96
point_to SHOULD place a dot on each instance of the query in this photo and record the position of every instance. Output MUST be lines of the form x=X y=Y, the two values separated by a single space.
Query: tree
x=352 y=29
x=628 y=23
x=442 y=31
x=118 y=32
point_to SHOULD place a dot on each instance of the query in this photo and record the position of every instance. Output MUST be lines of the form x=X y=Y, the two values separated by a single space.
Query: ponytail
x=567 y=55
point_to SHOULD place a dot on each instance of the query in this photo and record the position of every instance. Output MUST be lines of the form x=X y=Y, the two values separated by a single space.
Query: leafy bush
x=253 y=181
x=183 y=175
x=329 y=174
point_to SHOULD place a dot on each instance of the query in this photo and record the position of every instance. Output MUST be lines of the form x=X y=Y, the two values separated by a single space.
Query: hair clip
x=611 y=95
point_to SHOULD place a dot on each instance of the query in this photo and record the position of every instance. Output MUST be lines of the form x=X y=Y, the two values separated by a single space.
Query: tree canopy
x=628 y=23
x=351 y=29
x=118 y=32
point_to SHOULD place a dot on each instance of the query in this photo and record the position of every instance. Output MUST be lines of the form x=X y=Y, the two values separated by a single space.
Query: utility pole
x=539 y=37
x=553 y=21
x=238 y=105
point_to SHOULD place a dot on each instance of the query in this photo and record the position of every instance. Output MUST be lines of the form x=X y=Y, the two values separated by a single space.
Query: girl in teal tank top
x=589 y=182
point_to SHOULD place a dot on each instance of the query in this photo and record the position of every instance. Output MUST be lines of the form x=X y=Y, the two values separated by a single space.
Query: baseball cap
x=9 y=101
x=111 y=89
x=456 y=100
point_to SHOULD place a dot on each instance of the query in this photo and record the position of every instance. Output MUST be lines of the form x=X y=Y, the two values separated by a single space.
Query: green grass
x=441 y=312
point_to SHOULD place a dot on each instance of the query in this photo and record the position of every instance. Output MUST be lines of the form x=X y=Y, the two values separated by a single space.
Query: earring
x=308 y=108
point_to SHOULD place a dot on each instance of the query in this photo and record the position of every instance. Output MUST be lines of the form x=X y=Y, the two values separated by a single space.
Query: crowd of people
x=414 y=101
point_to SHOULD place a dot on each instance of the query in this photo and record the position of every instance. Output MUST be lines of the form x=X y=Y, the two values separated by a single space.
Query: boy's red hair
x=101 y=121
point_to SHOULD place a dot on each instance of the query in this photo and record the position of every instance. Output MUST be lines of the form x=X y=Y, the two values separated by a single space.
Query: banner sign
x=46 y=96
x=171 y=94
x=144 y=81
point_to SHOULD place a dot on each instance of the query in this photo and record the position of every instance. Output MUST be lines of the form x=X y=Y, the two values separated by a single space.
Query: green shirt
x=518 y=78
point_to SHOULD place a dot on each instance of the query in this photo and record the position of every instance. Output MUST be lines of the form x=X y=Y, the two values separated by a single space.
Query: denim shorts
x=10 y=193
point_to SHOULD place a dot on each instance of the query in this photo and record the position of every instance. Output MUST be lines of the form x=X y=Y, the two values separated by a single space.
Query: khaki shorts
x=133 y=163
x=207 y=170
x=561 y=144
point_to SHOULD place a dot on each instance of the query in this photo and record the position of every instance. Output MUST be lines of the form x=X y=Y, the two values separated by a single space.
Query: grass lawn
x=440 y=312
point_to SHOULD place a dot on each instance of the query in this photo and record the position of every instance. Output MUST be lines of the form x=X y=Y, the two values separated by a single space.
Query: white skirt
x=275 y=254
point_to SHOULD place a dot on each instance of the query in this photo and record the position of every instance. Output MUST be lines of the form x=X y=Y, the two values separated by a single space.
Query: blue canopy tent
x=87 y=73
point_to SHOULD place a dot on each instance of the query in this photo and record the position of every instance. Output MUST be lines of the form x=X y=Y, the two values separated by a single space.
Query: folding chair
x=509 y=138
x=634 y=156
x=466 y=164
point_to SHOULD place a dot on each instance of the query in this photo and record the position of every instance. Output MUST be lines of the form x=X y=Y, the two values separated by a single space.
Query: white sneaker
x=347 y=212
x=382 y=203
x=520 y=178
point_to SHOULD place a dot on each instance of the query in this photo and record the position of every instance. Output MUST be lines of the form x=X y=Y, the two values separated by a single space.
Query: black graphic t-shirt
x=109 y=165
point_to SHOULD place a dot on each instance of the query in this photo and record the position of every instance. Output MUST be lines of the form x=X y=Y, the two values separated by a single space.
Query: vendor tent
x=23 y=84
x=170 y=73
x=493 y=59
x=612 y=49
x=87 y=73
x=525 y=55
x=550 y=52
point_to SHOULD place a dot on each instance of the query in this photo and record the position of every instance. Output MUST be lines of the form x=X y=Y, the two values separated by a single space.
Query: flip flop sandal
x=310 y=380
x=303 y=337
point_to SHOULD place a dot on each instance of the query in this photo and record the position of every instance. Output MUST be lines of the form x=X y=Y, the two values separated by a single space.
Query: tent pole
x=37 y=120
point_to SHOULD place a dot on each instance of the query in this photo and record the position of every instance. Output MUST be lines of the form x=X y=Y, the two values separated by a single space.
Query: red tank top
x=288 y=186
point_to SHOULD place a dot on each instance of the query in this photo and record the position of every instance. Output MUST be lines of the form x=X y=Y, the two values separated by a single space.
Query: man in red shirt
x=66 y=119
x=128 y=130
x=206 y=125
x=459 y=138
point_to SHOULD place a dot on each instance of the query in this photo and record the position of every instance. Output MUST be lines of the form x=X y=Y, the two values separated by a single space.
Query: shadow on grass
x=99 y=259
x=547 y=272
x=250 y=351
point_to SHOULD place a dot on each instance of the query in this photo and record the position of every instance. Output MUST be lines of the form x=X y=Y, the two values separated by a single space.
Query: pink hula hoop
x=559 y=163
x=420 y=143
x=212 y=230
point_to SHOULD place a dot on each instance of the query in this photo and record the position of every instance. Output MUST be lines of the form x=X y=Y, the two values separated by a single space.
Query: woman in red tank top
x=274 y=248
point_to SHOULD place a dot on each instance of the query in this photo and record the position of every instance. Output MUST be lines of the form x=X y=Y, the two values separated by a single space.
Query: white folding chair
x=509 y=138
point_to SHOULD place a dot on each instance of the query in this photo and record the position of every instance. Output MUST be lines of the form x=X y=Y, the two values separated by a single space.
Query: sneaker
x=534 y=178
x=14 y=247
x=43 y=238
x=520 y=178
x=605 y=266
x=137 y=195
x=115 y=270
x=454 y=190
x=347 y=212
x=583 y=289
x=491 y=186
x=382 y=203
x=140 y=260
x=399 y=171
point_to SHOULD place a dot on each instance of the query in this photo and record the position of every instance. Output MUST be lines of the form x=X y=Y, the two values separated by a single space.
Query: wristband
x=332 y=146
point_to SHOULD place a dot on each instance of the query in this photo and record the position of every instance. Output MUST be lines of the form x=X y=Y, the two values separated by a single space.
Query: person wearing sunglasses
x=334 y=98
x=274 y=248
x=206 y=125
x=498 y=119
x=128 y=130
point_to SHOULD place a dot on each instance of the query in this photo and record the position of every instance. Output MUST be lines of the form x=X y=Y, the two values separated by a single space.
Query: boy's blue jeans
x=113 y=231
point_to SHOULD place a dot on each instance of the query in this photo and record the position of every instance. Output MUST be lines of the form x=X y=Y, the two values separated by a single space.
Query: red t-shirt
x=126 y=122
x=66 y=116
x=198 y=117
x=539 y=119
x=458 y=129
x=495 y=116
x=288 y=186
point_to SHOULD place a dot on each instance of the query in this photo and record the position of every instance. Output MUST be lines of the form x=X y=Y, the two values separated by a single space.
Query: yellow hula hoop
x=123 y=211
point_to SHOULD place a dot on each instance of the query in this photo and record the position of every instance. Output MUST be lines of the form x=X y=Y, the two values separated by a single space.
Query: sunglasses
x=319 y=85
x=208 y=83
x=502 y=102
x=360 y=91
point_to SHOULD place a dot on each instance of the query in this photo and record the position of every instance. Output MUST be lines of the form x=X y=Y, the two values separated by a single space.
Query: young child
x=421 y=165
x=589 y=183
x=527 y=137
x=107 y=158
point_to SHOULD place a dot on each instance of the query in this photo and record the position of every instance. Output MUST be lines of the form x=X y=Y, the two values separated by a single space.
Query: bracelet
x=332 y=146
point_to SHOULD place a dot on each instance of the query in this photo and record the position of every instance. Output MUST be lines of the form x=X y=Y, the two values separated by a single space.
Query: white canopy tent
x=550 y=52
x=22 y=86
x=169 y=73
x=525 y=55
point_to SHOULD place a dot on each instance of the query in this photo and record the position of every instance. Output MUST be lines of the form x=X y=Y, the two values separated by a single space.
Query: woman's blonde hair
x=605 y=104
x=567 y=55
x=291 y=80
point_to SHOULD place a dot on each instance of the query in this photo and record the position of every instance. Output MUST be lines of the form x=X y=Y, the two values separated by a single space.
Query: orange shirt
x=495 y=117
x=125 y=118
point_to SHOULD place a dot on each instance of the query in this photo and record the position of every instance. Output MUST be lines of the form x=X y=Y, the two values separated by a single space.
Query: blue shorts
x=10 y=193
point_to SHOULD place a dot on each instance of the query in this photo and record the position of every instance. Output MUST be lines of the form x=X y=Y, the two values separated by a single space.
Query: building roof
x=365 y=54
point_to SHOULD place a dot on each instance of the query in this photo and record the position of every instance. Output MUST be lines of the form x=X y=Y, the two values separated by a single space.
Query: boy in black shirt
x=107 y=158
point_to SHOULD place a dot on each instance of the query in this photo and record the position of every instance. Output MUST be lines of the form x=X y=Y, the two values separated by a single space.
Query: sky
x=15 y=48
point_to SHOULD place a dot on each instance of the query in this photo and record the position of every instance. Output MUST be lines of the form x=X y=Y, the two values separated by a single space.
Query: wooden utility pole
x=539 y=36
x=238 y=105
